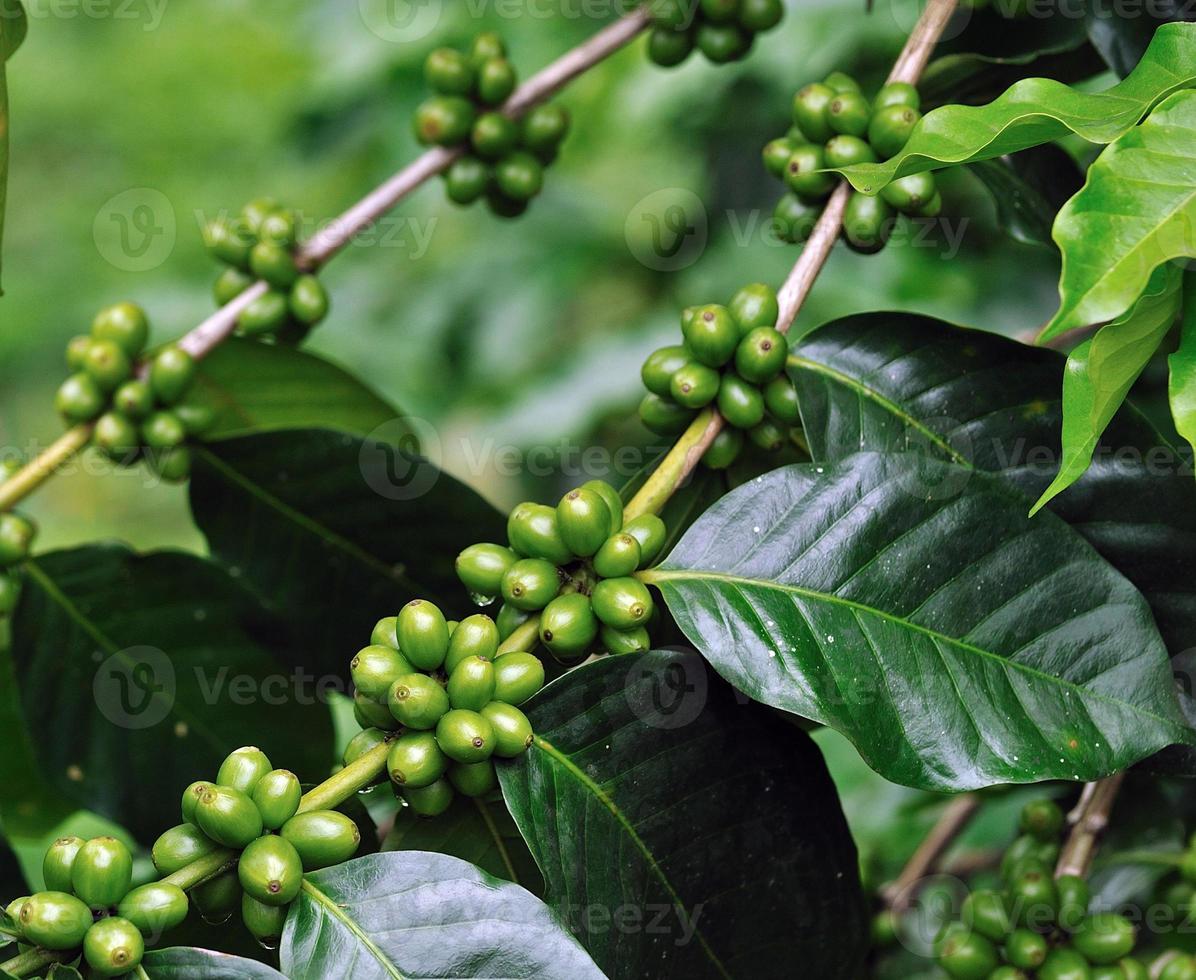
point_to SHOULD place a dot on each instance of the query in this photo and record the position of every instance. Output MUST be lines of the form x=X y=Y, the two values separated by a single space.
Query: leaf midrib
x=336 y=912
x=621 y=818
x=658 y=575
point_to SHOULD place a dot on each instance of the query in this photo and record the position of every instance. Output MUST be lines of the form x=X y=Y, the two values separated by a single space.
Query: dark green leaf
x=317 y=521
x=1028 y=189
x=157 y=664
x=1134 y=213
x=191 y=963
x=1122 y=34
x=683 y=832
x=255 y=387
x=1040 y=110
x=411 y=914
x=912 y=605
x=892 y=381
x=478 y=831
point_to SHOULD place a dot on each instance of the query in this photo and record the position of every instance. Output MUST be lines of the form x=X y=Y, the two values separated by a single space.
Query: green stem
x=203 y=869
x=523 y=637
x=358 y=775
x=34 y=961
x=675 y=467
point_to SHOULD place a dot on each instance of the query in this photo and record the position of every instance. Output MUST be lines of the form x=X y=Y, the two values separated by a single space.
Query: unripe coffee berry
x=740 y=402
x=423 y=634
x=276 y=796
x=54 y=920
x=308 y=301
x=512 y=730
x=619 y=555
x=465 y=736
x=532 y=531
x=107 y=364
x=496 y=81
x=711 y=335
x=134 y=400
x=663 y=415
x=761 y=355
x=417 y=701
x=113 y=947
x=101 y=872
x=154 y=908
x=810 y=107
x=375 y=668
x=416 y=760
x=444 y=120
x=724 y=450
x=651 y=533
x=473 y=779
x=171 y=374
x=520 y=176
x=695 y=385
x=622 y=602
x=124 y=324
x=754 y=305
x=429 y=801
x=449 y=72
x=530 y=584
x=517 y=676
x=584 y=521
x=322 y=838
x=228 y=816
x=618 y=642
x=567 y=625
x=56 y=866
x=270 y=870
x=242 y=768
x=481 y=567
x=614 y=503
x=264 y=922
x=179 y=846
x=471 y=684
x=16 y=538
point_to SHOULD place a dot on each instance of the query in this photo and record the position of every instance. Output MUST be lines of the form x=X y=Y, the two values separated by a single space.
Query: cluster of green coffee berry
x=504 y=158
x=732 y=356
x=16 y=540
x=444 y=698
x=723 y=30
x=259 y=243
x=251 y=807
x=1036 y=924
x=836 y=126
x=573 y=565
x=137 y=413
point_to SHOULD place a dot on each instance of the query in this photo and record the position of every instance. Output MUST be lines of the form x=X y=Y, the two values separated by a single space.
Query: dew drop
x=480 y=600
x=270 y=944
x=216 y=920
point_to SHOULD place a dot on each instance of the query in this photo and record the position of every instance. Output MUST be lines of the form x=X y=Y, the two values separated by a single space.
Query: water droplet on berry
x=480 y=600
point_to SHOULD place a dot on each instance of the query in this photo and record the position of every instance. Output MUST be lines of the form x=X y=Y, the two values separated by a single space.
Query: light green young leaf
x=1135 y=212
x=13 y=26
x=1040 y=110
x=1182 y=363
x=1101 y=371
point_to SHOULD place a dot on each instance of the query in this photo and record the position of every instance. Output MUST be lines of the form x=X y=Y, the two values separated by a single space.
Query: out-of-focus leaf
x=13 y=27
x=1182 y=364
x=192 y=963
x=1122 y=34
x=1028 y=189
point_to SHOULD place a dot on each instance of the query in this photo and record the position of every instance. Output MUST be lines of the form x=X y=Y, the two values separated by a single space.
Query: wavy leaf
x=408 y=915
x=131 y=664
x=255 y=387
x=1040 y=110
x=1134 y=213
x=888 y=382
x=192 y=963
x=1101 y=371
x=633 y=801
x=912 y=605
x=1028 y=189
x=1182 y=365
x=315 y=520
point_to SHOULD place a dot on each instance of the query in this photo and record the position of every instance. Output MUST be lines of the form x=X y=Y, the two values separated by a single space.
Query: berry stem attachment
x=342 y=785
x=1088 y=822
x=675 y=469
x=900 y=892
x=38 y=470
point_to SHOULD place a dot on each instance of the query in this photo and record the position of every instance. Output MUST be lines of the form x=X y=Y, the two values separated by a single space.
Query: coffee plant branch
x=685 y=455
x=900 y=892
x=1088 y=822
x=339 y=233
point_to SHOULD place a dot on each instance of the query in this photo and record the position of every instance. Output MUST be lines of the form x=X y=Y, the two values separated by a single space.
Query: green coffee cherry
x=308 y=301
x=519 y=175
x=471 y=684
x=281 y=227
x=1042 y=819
x=429 y=801
x=416 y=760
x=76 y=352
x=532 y=531
x=373 y=712
x=621 y=602
x=163 y=430
x=466 y=180
x=101 y=872
x=1104 y=937
x=1024 y=848
x=417 y=701
x=610 y=496
x=423 y=634
x=473 y=779
x=898 y=93
x=780 y=398
x=840 y=81
x=1007 y=972
x=768 y=436
x=107 y=364
x=364 y=741
x=277 y=794
x=530 y=584
x=172 y=465
x=54 y=920
x=154 y=908
x=113 y=947
x=718 y=11
x=322 y=838
x=481 y=567
x=264 y=922
x=804 y=176
x=13 y=911
x=273 y=263
x=256 y=211
x=724 y=449
x=755 y=305
x=229 y=241
x=663 y=415
x=567 y=625
x=722 y=43
x=375 y=668
x=761 y=355
x=776 y=154
x=911 y=194
x=583 y=521
x=171 y=374
x=196 y=417
x=740 y=402
x=16 y=538
x=485 y=46
x=966 y=955
x=1064 y=964
x=668 y=48
x=984 y=911
x=890 y=129
x=56 y=865
x=228 y=816
x=230 y=284
x=618 y=642
x=1026 y=949
x=449 y=72
x=502 y=206
x=217 y=899
x=619 y=555
x=385 y=632
x=544 y=128
x=1034 y=900
x=124 y=324
x=475 y=636
x=711 y=335
x=760 y=15
x=1073 y=900
x=848 y=114
x=493 y=135
x=444 y=120
x=79 y=399
x=496 y=81
x=242 y=768
x=651 y=533
x=810 y=107
x=867 y=223
x=179 y=846
x=660 y=366
x=266 y=314
x=694 y=386
x=847 y=151
x=270 y=870
x=465 y=736
x=508 y=620
x=517 y=676
x=512 y=730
